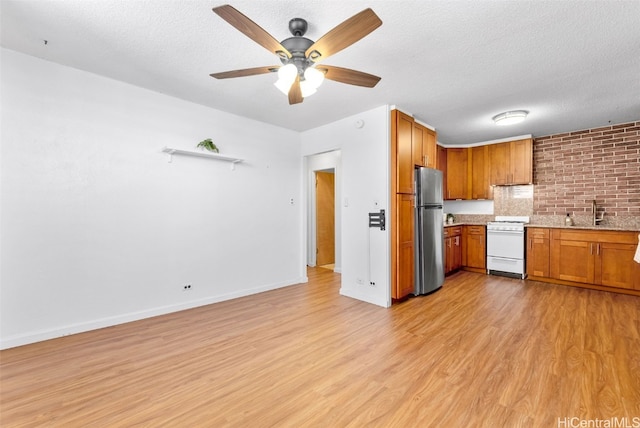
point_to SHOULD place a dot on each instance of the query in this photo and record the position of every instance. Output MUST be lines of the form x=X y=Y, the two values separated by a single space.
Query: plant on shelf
x=208 y=145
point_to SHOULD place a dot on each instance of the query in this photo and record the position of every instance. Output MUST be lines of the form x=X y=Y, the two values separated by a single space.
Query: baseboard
x=53 y=333
x=354 y=294
x=582 y=285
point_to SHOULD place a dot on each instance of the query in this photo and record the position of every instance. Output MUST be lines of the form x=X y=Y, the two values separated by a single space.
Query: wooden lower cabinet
x=474 y=247
x=452 y=249
x=613 y=267
x=405 y=247
x=601 y=258
x=537 y=251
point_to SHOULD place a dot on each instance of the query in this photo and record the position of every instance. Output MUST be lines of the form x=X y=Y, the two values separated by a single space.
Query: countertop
x=607 y=228
x=603 y=228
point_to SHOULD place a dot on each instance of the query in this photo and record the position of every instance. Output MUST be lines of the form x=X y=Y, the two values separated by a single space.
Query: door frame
x=331 y=171
x=323 y=162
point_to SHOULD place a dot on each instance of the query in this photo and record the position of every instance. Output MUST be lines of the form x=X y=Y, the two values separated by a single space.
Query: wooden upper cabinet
x=404 y=152
x=457 y=173
x=429 y=148
x=521 y=156
x=417 y=144
x=511 y=162
x=499 y=157
x=442 y=166
x=424 y=146
x=480 y=172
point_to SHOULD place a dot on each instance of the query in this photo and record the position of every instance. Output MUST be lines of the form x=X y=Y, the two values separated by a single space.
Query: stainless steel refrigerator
x=429 y=230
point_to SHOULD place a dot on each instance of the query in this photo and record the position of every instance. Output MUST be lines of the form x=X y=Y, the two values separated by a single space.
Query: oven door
x=507 y=244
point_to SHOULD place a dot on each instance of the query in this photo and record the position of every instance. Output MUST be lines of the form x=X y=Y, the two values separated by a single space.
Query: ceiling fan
x=300 y=74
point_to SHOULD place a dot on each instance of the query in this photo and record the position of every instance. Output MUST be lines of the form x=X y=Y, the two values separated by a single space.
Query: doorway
x=325 y=219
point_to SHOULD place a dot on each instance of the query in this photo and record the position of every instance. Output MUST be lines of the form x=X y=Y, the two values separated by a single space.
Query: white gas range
x=505 y=246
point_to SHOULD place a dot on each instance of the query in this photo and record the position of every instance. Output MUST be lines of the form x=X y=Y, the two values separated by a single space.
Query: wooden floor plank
x=482 y=351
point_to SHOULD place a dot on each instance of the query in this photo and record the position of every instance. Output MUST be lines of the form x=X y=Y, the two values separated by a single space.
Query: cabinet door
x=538 y=252
x=442 y=166
x=404 y=153
x=405 y=245
x=448 y=255
x=614 y=265
x=480 y=187
x=457 y=252
x=475 y=247
x=499 y=157
x=457 y=174
x=429 y=148
x=417 y=145
x=572 y=260
x=521 y=162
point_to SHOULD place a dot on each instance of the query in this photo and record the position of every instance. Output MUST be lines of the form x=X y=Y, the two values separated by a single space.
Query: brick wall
x=572 y=169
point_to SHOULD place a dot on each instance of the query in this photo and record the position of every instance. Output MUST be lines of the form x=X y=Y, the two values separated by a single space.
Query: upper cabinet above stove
x=470 y=172
x=511 y=162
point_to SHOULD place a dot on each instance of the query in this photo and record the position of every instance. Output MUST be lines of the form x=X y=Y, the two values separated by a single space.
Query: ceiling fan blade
x=348 y=76
x=344 y=35
x=295 y=94
x=250 y=29
x=245 y=72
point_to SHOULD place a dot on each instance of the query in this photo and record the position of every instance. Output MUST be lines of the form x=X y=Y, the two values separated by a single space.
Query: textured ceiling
x=452 y=64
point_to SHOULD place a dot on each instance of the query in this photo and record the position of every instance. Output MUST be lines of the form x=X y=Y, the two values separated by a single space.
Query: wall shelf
x=170 y=151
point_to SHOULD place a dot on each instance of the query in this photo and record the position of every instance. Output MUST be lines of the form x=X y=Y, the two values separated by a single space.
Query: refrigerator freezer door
x=430 y=251
x=429 y=186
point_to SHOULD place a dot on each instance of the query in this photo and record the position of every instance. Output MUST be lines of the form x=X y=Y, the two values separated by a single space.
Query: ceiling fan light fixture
x=288 y=73
x=510 y=117
x=314 y=76
x=283 y=85
x=307 y=89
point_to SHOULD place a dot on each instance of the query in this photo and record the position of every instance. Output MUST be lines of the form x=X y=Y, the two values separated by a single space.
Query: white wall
x=98 y=228
x=323 y=161
x=365 y=188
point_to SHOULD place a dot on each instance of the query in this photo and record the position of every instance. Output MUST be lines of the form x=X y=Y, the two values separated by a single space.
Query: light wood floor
x=483 y=351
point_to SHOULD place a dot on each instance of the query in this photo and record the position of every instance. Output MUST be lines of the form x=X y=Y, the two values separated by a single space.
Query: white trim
x=424 y=124
x=393 y=107
x=53 y=333
x=365 y=297
x=484 y=143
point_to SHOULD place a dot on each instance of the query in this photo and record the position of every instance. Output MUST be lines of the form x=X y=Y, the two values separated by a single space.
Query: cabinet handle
x=426 y=162
x=530 y=243
x=598 y=249
x=591 y=249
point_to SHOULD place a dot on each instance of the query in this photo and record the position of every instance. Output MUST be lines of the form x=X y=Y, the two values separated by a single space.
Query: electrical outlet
x=360 y=281
x=186 y=287
x=372 y=284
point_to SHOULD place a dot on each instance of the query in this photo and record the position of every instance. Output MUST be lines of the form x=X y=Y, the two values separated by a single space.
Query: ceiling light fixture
x=310 y=78
x=510 y=117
